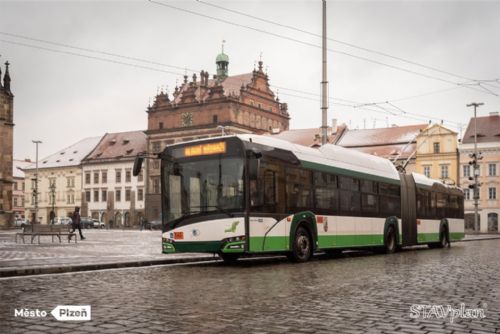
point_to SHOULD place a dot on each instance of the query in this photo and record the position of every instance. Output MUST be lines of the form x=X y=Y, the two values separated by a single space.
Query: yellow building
x=437 y=154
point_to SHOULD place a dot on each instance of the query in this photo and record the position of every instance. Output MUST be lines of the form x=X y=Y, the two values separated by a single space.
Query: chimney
x=334 y=125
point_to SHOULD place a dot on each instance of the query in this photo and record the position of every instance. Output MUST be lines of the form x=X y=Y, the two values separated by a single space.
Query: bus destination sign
x=205 y=149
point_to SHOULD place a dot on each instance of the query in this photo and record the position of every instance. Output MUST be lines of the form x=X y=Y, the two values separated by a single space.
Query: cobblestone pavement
x=351 y=294
x=100 y=246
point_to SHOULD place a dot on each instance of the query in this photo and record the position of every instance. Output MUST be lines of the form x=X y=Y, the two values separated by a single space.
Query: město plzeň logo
x=60 y=313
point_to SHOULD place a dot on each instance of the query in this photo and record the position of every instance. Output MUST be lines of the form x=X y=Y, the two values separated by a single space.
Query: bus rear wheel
x=390 y=240
x=444 y=239
x=302 y=246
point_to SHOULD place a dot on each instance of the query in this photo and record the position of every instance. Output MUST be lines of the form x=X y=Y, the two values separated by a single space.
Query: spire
x=222 y=62
x=1 y=86
x=6 y=78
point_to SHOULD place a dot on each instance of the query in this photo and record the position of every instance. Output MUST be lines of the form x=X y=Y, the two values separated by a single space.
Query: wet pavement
x=100 y=248
x=354 y=293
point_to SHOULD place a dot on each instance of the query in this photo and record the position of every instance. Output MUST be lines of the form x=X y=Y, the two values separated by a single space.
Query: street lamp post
x=53 y=196
x=36 y=142
x=476 y=167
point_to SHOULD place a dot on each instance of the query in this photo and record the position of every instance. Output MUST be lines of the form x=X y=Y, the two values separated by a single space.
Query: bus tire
x=444 y=238
x=229 y=257
x=390 y=244
x=302 y=246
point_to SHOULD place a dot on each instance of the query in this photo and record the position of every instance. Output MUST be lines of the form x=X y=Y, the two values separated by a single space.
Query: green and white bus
x=251 y=194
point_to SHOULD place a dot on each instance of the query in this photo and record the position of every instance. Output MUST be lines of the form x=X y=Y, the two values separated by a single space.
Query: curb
x=98 y=266
x=478 y=239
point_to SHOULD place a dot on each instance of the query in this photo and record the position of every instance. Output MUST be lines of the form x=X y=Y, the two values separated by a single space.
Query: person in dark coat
x=77 y=223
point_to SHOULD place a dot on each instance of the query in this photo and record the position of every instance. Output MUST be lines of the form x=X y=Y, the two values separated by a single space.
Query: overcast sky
x=61 y=98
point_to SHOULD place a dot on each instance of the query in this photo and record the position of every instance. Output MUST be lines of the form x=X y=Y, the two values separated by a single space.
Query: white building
x=111 y=193
x=59 y=181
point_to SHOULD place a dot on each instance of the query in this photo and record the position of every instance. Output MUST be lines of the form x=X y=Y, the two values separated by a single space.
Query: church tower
x=6 y=148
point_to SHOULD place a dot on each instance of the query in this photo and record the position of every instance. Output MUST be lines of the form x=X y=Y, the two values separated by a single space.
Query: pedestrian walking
x=142 y=223
x=76 y=222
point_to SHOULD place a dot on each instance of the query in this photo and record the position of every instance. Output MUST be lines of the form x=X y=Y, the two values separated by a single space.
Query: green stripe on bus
x=198 y=246
x=268 y=244
x=336 y=241
x=457 y=235
x=346 y=172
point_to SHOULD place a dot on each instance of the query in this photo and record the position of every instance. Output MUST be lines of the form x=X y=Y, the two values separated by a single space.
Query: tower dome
x=222 y=62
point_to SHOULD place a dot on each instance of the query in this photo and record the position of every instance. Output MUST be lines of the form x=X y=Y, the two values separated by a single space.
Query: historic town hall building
x=6 y=149
x=203 y=108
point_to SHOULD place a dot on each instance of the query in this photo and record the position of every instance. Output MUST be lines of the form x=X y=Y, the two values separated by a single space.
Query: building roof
x=19 y=165
x=488 y=129
x=308 y=137
x=394 y=142
x=381 y=136
x=116 y=146
x=70 y=156
x=231 y=86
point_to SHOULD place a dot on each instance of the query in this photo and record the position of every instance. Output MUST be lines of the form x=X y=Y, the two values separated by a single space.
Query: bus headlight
x=234 y=239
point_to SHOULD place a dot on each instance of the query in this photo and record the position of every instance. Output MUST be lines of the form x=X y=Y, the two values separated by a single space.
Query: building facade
x=437 y=154
x=111 y=193
x=19 y=187
x=488 y=143
x=6 y=149
x=209 y=108
x=59 y=182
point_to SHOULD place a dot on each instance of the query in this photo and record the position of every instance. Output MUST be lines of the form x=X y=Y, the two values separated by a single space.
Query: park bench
x=39 y=230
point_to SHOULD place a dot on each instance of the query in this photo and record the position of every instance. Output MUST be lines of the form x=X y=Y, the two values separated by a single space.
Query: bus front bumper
x=170 y=246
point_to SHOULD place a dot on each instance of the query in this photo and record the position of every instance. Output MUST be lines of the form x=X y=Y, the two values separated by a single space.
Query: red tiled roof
x=389 y=151
x=381 y=136
x=488 y=130
x=120 y=145
x=307 y=137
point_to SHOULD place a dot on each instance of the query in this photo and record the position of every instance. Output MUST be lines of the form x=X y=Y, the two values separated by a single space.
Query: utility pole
x=324 y=84
x=36 y=142
x=475 y=167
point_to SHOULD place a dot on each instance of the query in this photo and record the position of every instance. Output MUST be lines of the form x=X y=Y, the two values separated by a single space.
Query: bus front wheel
x=302 y=246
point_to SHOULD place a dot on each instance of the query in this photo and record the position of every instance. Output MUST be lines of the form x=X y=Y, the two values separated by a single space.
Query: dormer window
x=112 y=141
x=126 y=141
x=62 y=153
x=130 y=151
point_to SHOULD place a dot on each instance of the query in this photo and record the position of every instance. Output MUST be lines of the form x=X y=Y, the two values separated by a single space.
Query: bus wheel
x=444 y=239
x=229 y=257
x=390 y=240
x=302 y=246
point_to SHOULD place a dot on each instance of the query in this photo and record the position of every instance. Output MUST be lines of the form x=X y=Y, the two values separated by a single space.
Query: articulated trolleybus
x=251 y=194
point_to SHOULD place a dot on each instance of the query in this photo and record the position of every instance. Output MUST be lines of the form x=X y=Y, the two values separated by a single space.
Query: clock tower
x=209 y=107
x=6 y=149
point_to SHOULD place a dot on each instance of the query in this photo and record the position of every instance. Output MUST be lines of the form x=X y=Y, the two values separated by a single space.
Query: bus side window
x=269 y=187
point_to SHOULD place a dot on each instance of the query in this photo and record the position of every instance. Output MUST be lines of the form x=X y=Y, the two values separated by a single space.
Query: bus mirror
x=137 y=165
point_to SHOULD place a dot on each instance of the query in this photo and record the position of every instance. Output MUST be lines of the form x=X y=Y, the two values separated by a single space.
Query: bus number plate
x=178 y=235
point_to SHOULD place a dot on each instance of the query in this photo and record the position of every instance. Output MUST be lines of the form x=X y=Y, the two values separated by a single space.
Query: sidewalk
x=102 y=249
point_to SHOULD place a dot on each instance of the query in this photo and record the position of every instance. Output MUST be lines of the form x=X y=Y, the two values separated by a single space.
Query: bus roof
x=342 y=160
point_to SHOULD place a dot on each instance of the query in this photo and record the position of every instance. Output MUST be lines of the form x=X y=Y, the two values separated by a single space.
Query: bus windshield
x=193 y=186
